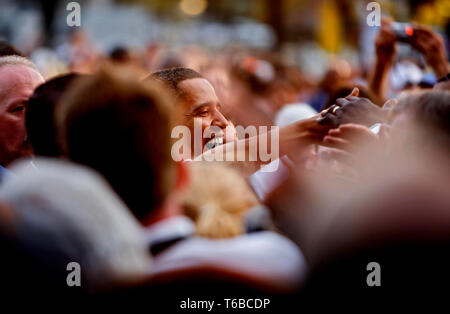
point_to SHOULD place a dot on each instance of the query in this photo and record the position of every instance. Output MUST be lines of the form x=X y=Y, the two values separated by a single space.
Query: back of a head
x=65 y=213
x=402 y=224
x=217 y=200
x=121 y=128
x=431 y=110
x=40 y=114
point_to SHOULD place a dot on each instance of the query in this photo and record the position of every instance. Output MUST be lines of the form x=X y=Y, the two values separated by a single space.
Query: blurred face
x=201 y=102
x=17 y=83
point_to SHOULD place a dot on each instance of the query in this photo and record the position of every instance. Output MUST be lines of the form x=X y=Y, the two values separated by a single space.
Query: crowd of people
x=88 y=176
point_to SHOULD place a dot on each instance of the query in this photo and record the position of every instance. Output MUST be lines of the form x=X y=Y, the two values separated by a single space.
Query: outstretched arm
x=385 y=52
x=249 y=154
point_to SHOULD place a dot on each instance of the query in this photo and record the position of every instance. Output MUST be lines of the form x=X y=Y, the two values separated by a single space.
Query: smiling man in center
x=197 y=102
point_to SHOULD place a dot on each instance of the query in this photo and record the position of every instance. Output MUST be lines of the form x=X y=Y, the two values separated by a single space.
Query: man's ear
x=182 y=178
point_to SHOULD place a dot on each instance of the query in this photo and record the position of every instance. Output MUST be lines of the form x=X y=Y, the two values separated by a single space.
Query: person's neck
x=170 y=208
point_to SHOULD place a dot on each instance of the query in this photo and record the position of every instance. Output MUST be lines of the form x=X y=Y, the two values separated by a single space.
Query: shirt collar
x=169 y=230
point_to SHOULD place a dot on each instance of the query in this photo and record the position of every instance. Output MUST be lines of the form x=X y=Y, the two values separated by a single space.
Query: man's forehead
x=198 y=91
x=14 y=76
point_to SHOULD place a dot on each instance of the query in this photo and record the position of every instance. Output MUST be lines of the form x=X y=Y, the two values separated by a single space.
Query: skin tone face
x=17 y=83
x=201 y=101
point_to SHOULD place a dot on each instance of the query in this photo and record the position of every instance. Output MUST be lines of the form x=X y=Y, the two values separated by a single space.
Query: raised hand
x=385 y=50
x=385 y=47
x=431 y=45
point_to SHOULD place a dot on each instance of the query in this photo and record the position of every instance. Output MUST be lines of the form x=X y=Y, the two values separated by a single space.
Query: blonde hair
x=217 y=199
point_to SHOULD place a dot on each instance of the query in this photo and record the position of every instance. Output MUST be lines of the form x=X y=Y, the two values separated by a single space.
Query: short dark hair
x=121 y=128
x=6 y=49
x=40 y=113
x=120 y=54
x=174 y=76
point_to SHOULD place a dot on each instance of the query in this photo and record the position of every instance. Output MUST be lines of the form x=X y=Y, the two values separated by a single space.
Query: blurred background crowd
x=86 y=173
x=299 y=49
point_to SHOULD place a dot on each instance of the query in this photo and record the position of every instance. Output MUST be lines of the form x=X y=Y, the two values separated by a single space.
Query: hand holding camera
x=420 y=37
x=431 y=45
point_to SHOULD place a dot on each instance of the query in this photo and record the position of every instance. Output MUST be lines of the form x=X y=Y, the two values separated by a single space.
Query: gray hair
x=17 y=60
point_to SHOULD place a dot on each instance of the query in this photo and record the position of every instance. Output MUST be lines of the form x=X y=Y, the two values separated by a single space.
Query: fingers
x=330 y=116
x=386 y=21
x=390 y=104
x=330 y=120
x=345 y=101
x=351 y=128
x=354 y=93
x=353 y=133
x=425 y=39
x=420 y=29
x=341 y=102
x=324 y=112
x=385 y=35
x=336 y=142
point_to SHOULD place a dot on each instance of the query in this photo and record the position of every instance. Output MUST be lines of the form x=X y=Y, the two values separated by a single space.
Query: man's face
x=201 y=102
x=17 y=83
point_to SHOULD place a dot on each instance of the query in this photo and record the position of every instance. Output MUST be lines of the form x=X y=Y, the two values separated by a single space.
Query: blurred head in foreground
x=422 y=119
x=65 y=213
x=398 y=174
x=40 y=114
x=401 y=215
x=217 y=200
x=121 y=128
